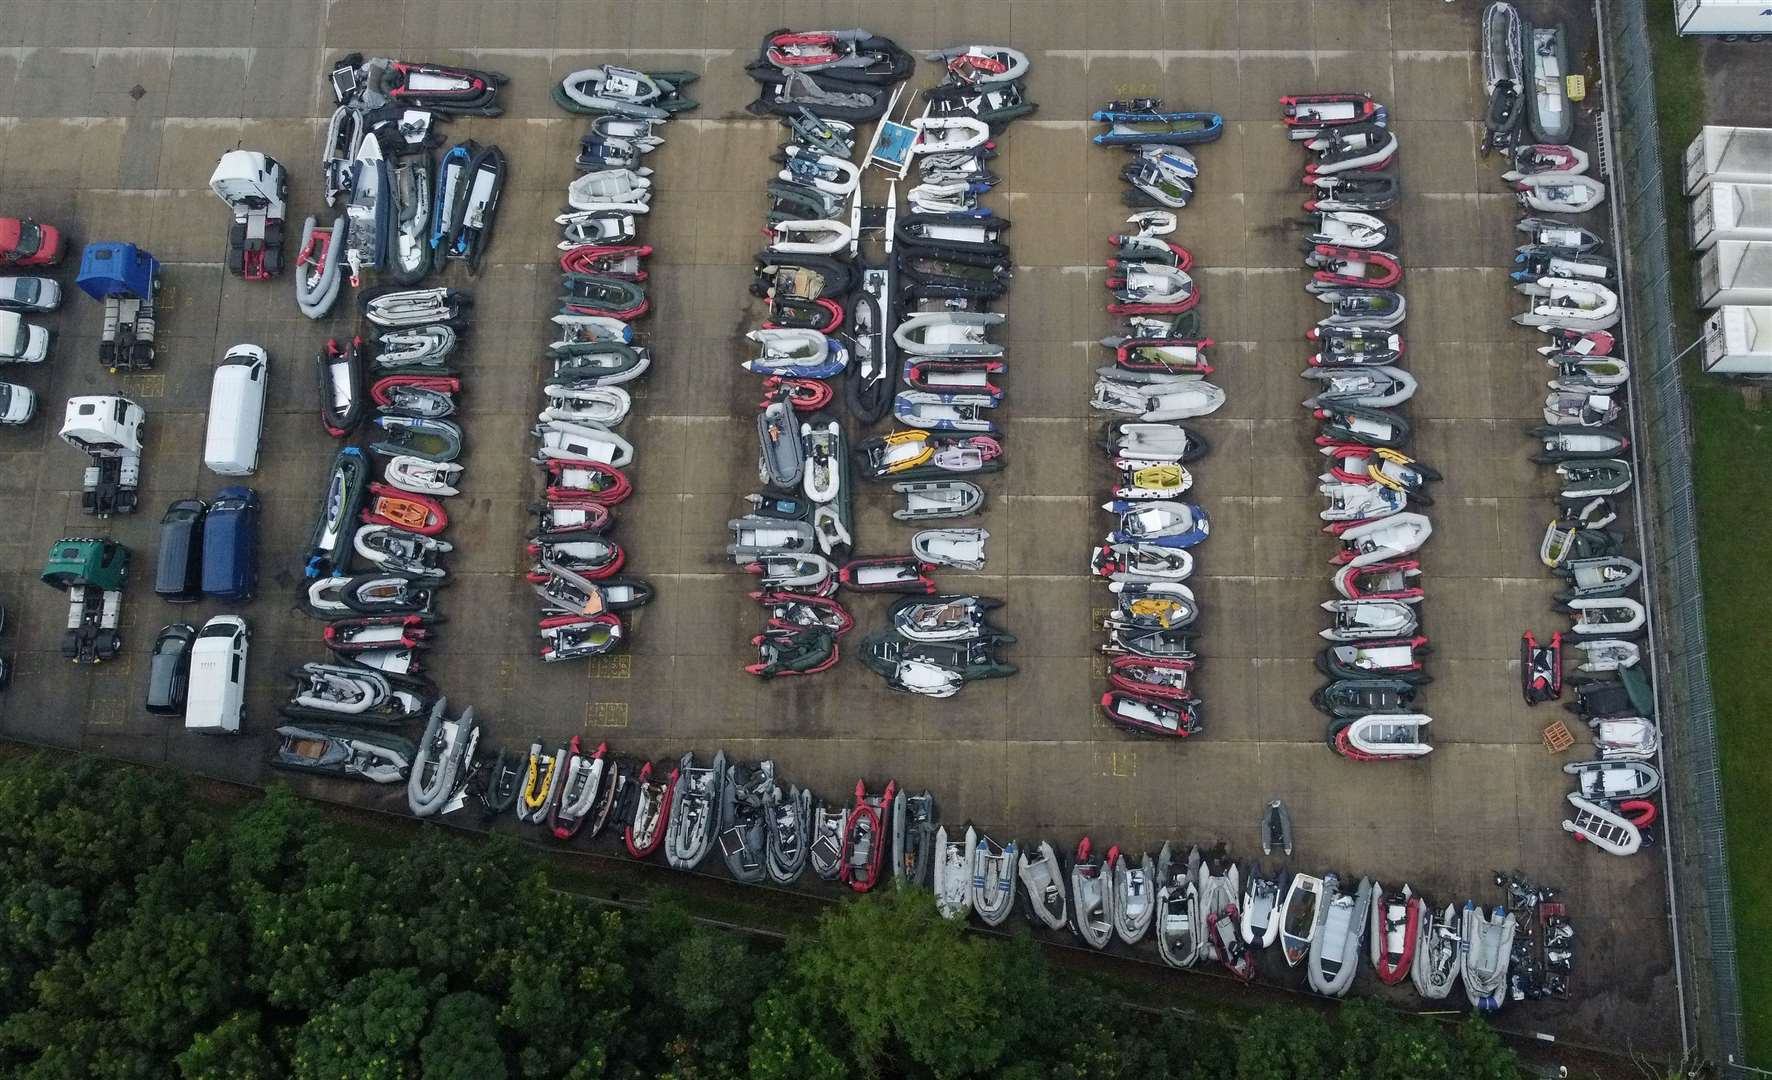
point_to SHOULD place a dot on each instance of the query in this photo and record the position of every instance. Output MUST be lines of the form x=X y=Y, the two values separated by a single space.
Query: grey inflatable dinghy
x=1135 y=901
x=1180 y=927
x=1335 y=951
x=780 y=454
x=993 y=880
x=927 y=499
x=1042 y=882
x=695 y=811
x=788 y=821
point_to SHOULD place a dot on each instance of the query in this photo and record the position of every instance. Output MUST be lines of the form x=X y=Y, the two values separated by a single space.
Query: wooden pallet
x=1557 y=737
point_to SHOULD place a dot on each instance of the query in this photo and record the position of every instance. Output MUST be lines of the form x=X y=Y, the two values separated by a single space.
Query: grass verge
x=1731 y=456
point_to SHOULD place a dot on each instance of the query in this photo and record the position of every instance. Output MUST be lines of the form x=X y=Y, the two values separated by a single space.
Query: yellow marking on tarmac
x=1098 y=666
x=1122 y=764
x=144 y=386
x=612 y=667
x=506 y=677
x=1100 y=614
x=30 y=663
x=1122 y=91
x=607 y=714
x=107 y=713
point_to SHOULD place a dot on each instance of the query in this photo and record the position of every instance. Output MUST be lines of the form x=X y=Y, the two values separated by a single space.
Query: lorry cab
x=24 y=242
x=178 y=569
x=236 y=412
x=215 y=698
x=20 y=341
x=230 y=546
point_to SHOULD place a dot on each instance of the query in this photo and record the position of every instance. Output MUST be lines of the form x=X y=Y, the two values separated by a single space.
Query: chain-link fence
x=1703 y=920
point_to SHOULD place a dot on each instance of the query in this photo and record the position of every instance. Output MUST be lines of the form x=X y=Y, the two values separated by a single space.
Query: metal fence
x=1701 y=911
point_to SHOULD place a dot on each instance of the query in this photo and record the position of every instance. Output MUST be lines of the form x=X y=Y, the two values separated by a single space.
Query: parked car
x=169 y=669
x=178 y=573
x=24 y=242
x=230 y=545
x=17 y=403
x=218 y=677
x=30 y=293
x=20 y=341
x=236 y=412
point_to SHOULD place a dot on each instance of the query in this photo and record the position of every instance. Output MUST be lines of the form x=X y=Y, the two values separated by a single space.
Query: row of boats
x=374 y=564
x=577 y=564
x=402 y=212
x=1158 y=376
x=1199 y=906
x=846 y=283
x=1373 y=491
x=1584 y=443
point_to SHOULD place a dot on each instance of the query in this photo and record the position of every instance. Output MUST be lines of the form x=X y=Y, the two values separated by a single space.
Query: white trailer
x=1738 y=341
x=1736 y=155
x=1735 y=272
x=1725 y=211
x=1732 y=20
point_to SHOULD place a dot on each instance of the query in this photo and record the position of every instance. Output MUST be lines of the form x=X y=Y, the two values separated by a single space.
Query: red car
x=23 y=242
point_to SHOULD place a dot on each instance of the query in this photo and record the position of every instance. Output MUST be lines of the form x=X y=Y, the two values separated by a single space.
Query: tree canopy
x=146 y=935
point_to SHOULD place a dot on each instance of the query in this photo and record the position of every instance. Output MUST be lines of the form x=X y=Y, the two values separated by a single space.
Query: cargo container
x=1735 y=272
x=1726 y=211
x=1738 y=341
x=1736 y=155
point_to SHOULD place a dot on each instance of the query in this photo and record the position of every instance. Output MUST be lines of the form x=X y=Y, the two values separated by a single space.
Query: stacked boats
x=844 y=282
x=577 y=564
x=401 y=213
x=1572 y=301
x=375 y=551
x=1373 y=490
x=1157 y=377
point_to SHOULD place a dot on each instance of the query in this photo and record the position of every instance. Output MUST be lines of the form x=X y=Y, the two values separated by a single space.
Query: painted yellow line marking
x=612 y=667
x=607 y=714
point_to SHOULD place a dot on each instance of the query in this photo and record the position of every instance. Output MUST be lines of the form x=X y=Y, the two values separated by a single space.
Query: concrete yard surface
x=115 y=112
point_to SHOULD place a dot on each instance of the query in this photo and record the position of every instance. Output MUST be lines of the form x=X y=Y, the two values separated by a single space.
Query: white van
x=217 y=693
x=236 y=412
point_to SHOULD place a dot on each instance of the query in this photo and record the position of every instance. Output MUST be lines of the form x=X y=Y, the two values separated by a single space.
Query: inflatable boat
x=1395 y=932
x=329 y=542
x=1179 y=925
x=1559 y=193
x=1140 y=561
x=1169 y=524
x=1368 y=620
x=913 y=837
x=866 y=837
x=694 y=814
x=1042 y=878
x=643 y=831
x=1399 y=659
x=993 y=880
x=952 y=872
x=1259 y=917
x=1146 y=715
x=1142 y=122
x=787 y=821
x=1381 y=736
x=1092 y=897
x=1439 y=948
x=1335 y=950
x=1488 y=949
x=341 y=750
x=1144 y=676
x=1551 y=112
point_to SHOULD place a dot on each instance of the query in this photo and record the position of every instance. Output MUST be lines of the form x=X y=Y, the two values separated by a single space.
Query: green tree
x=1283 y=1044
x=462 y=1043
x=370 y=1032
x=234 y=1049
